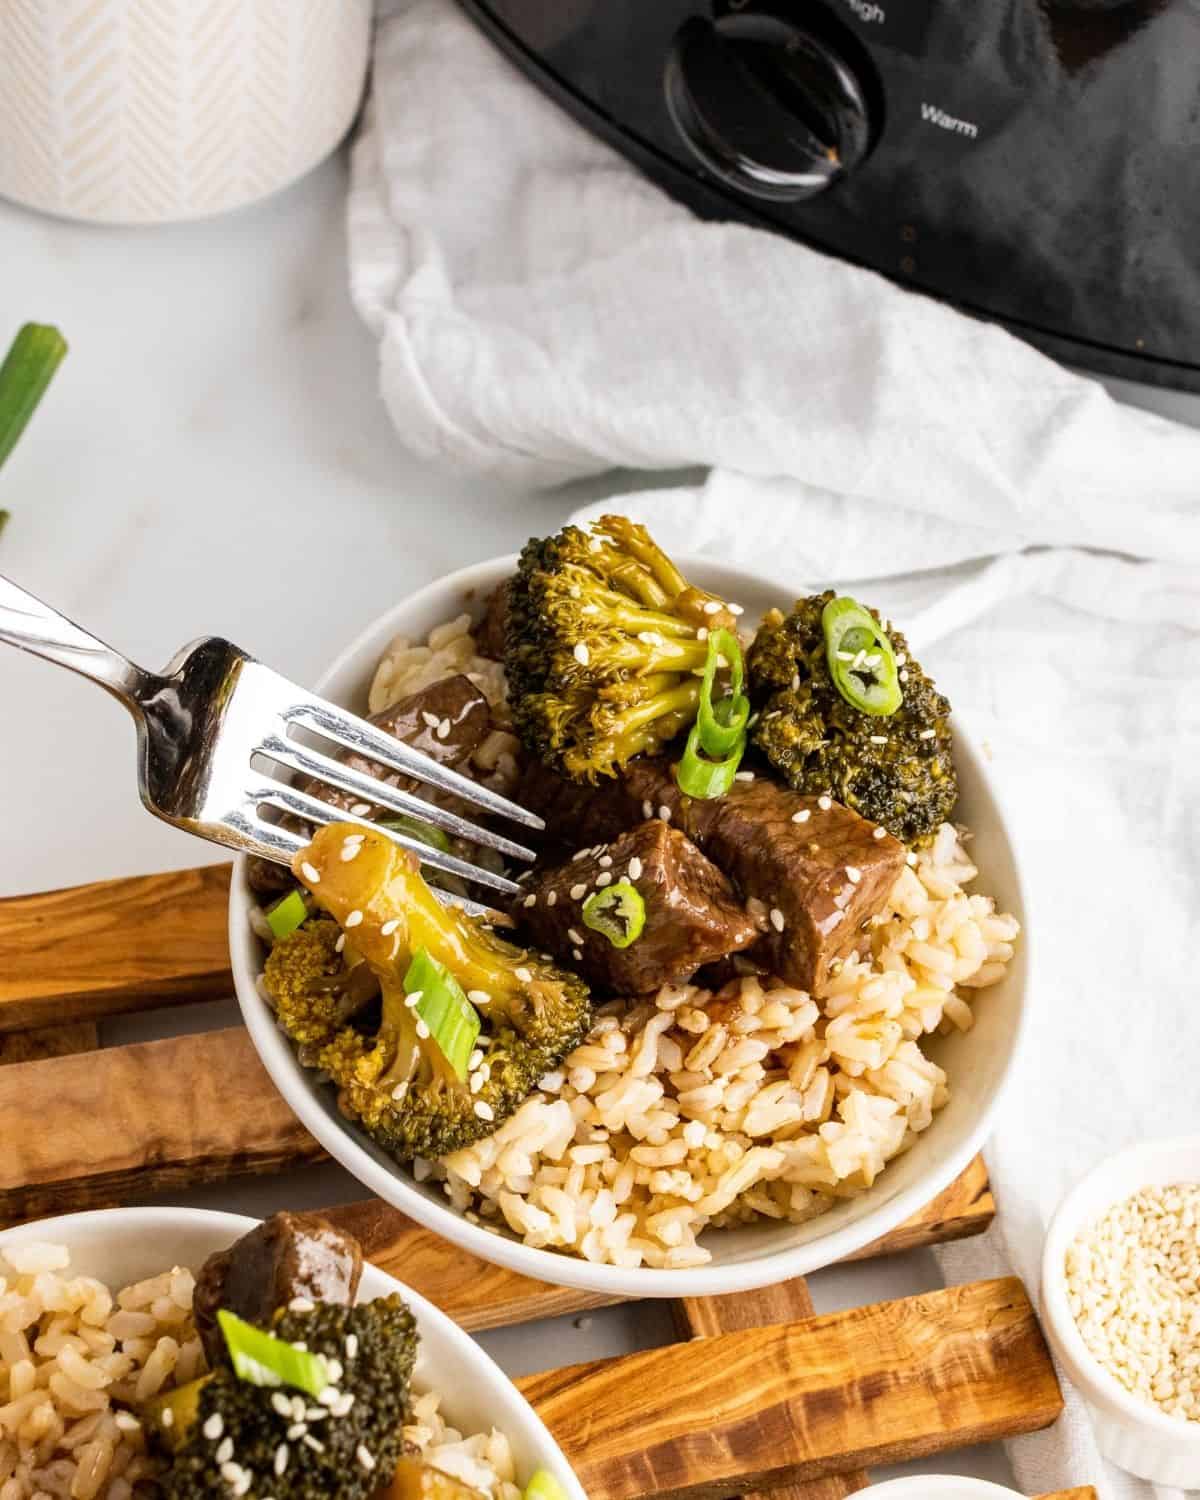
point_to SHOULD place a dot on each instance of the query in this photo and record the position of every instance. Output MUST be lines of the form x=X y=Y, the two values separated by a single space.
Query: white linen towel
x=544 y=313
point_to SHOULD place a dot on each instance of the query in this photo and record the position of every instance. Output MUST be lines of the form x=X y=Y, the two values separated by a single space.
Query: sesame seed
x=635 y=868
x=230 y=1472
x=315 y=1414
x=168 y=1417
x=824 y=803
x=484 y=1110
x=354 y=918
x=664 y=813
x=702 y=633
x=390 y=926
x=301 y=1304
x=606 y=861
x=603 y=879
x=443 y=730
x=281 y=1460
x=904 y=674
x=310 y=873
x=778 y=921
x=910 y=859
x=650 y=638
x=478 y=997
x=523 y=974
x=530 y=900
x=350 y=851
x=224 y=1450
x=298 y=1408
x=872 y=661
x=577 y=954
x=399 y=1092
x=859 y=658
x=422 y=1030
x=126 y=1421
x=552 y=899
x=879 y=833
x=580 y=854
x=341 y=942
x=475 y=1082
x=845 y=656
x=582 y=654
x=365 y=1457
x=795 y=682
x=802 y=816
x=595 y=545
x=736 y=609
x=214 y=1427
x=242 y=1484
x=901 y=659
x=330 y=1396
x=297 y=1430
x=879 y=739
x=361 y=809
x=575 y=935
x=927 y=734
x=413 y=1000
x=473 y=1061
x=578 y=892
x=743 y=776
x=853 y=874
x=431 y=720
x=314 y=1443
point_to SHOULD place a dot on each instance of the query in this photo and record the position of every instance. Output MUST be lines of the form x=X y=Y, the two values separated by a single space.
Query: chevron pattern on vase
x=140 y=111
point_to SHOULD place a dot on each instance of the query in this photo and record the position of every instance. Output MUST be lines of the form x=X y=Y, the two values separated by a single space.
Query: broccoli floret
x=896 y=770
x=326 y=1461
x=604 y=639
x=312 y=987
x=393 y=1079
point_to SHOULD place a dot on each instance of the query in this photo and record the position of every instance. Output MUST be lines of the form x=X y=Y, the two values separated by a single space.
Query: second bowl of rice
x=696 y=1143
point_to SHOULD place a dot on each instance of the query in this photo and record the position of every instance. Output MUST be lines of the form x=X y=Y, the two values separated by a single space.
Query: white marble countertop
x=213 y=457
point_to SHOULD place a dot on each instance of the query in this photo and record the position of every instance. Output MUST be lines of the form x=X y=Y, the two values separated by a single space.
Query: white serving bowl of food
x=123 y=1246
x=938 y=1487
x=1135 y=1434
x=979 y=1062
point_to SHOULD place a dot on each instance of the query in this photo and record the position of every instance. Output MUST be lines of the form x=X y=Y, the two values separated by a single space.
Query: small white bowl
x=938 y=1487
x=122 y=1245
x=979 y=1062
x=1133 y=1434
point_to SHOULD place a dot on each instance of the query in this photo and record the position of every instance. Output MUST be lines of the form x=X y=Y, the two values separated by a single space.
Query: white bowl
x=1133 y=1434
x=979 y=1062
x=121 y=1245
x=937 y=1487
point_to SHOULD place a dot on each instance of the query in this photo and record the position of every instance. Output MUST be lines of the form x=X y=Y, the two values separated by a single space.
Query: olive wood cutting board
x=757 y=1394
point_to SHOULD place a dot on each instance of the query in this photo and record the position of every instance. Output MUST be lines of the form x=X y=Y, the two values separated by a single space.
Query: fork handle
x=27 y=622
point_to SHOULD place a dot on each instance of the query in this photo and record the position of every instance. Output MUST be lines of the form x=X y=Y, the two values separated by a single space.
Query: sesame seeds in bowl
x=1121 y=1305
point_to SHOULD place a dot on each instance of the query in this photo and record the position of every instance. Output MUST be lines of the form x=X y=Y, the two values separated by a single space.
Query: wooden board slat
x=48 y=1041
x=140 y=1119
x=114 y=946
x=1086 y=1493
x=795 y=1402
x=965 y=1208
x=786 y=1302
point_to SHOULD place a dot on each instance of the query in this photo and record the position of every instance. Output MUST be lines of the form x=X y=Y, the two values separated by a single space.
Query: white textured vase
x=144 y=111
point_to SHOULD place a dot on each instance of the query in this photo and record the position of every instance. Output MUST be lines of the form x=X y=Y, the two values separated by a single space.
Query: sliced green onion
x=700 y=777
x=31 y=361
x=425 y=833
x=617 y=912
x=722 y=723
x=453 y=1021
x=261 y=1359
x=544 y=1486
x=861 y=660
x=287 y=914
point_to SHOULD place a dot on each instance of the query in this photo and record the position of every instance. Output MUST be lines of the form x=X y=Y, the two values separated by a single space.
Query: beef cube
x=290 y=1255
x=821 y=868
x=490 y=632
x=415 y=720
x=692 y=914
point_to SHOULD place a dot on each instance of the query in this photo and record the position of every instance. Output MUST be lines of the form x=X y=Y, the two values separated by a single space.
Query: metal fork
x=215 y=729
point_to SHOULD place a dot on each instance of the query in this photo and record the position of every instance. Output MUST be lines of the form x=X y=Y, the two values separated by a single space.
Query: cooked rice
x=702 y=1109
x=73 y=1358
x=699 y=1109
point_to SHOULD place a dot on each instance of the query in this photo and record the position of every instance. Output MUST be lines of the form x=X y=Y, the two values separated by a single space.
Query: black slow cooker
x=1037 y=163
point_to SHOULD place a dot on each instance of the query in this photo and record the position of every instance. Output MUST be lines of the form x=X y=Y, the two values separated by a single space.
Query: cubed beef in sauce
x=289 y=1255
x=447 y=721
x=818 y=870
x=692 y=914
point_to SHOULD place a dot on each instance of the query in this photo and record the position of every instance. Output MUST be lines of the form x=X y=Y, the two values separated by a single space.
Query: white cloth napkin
x=543 y=313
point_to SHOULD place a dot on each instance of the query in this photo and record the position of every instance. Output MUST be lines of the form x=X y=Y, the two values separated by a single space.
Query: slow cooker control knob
x=767 y=106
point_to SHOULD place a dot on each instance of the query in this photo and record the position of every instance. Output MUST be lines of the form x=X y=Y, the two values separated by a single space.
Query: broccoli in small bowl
x=843 y=709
